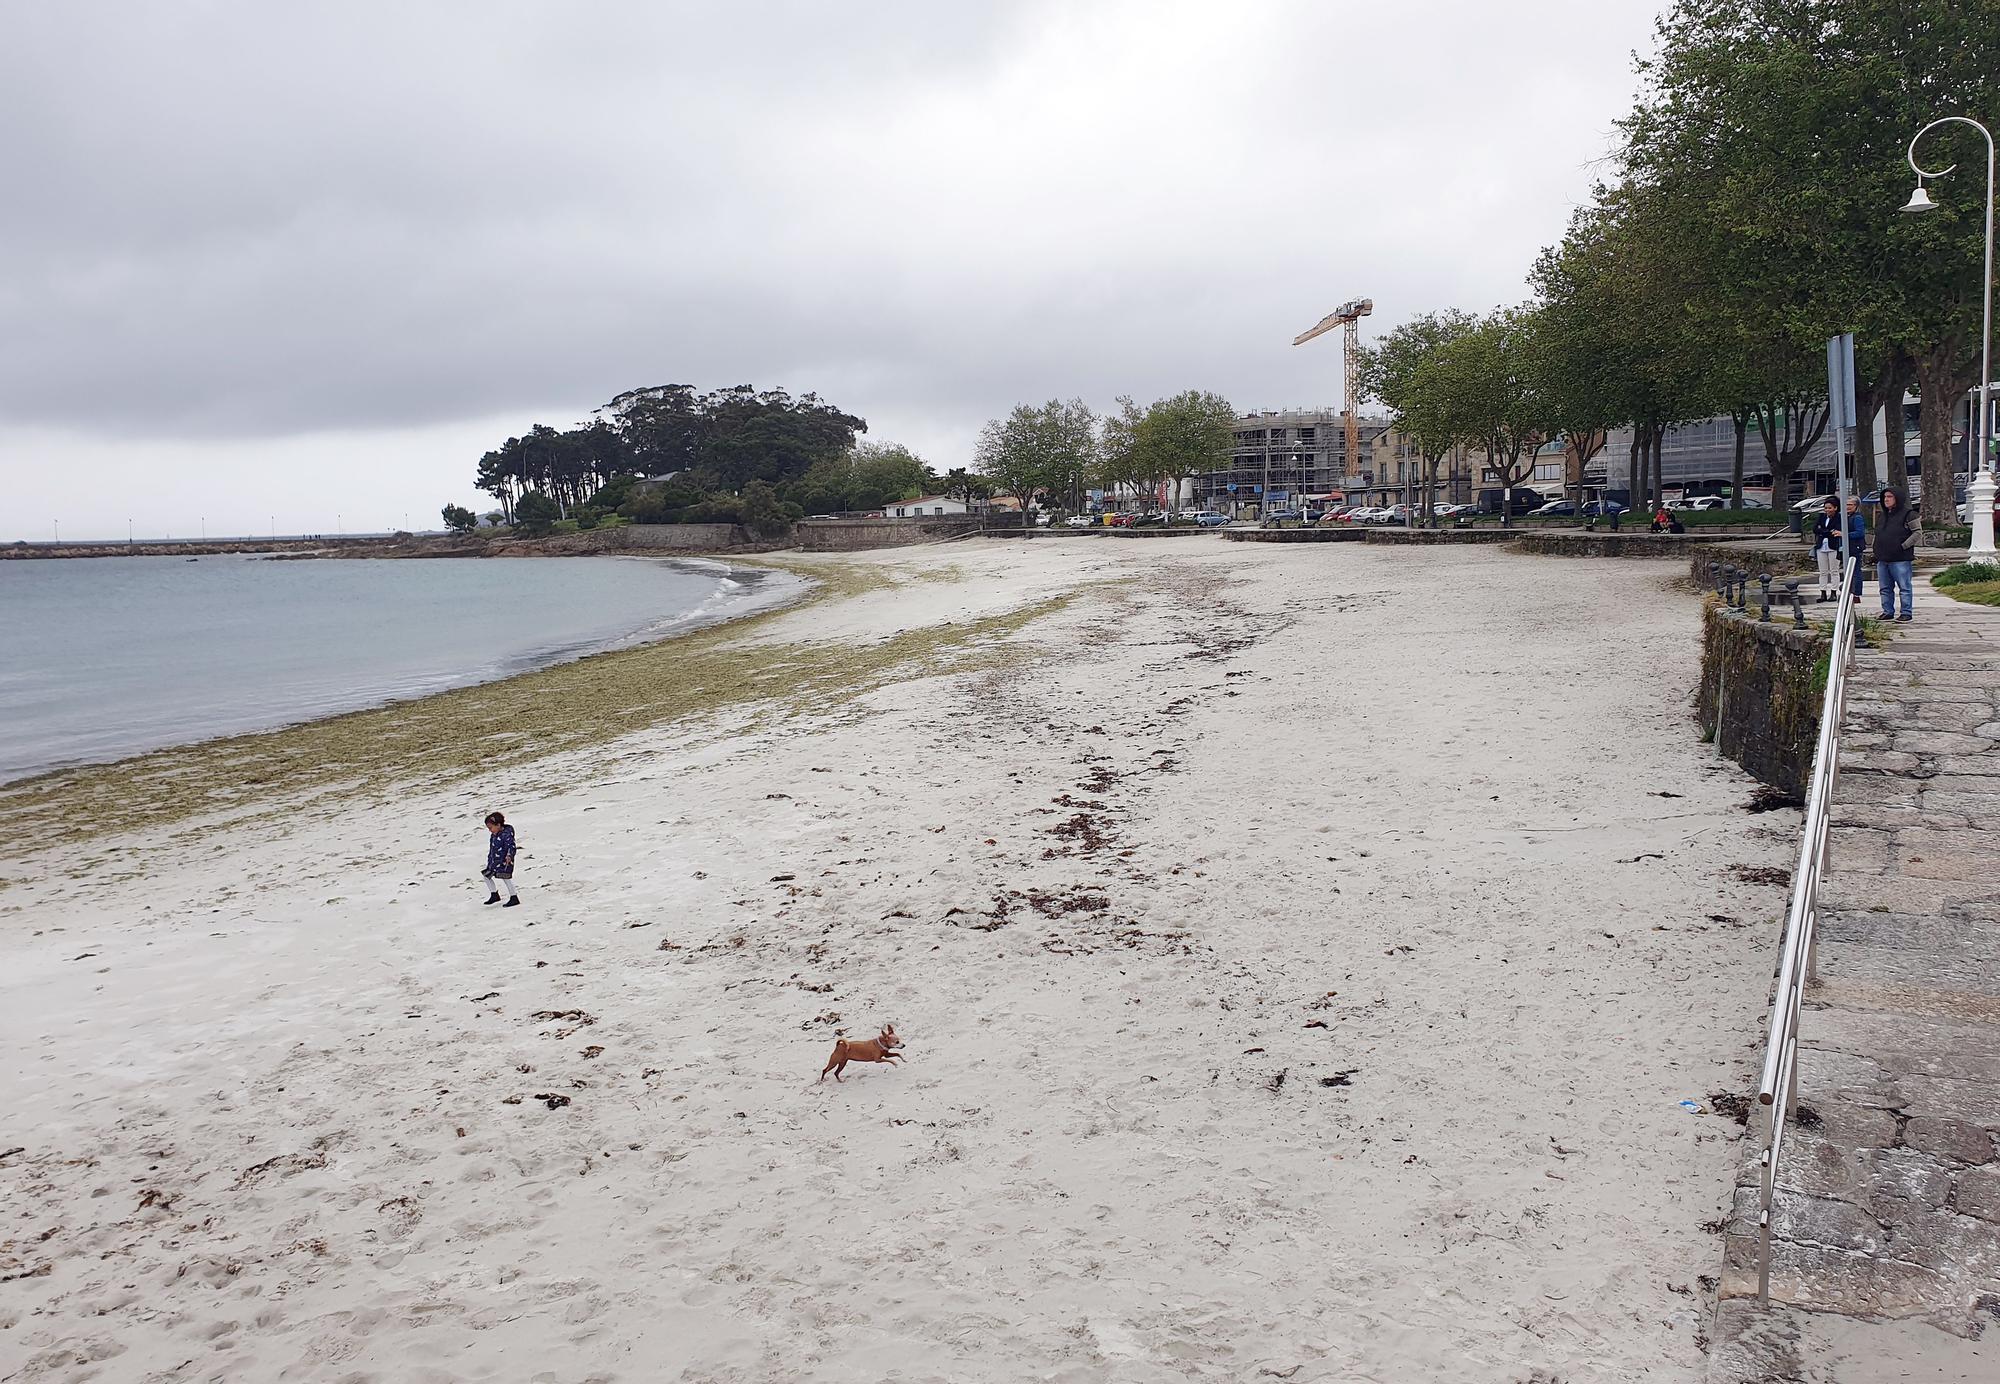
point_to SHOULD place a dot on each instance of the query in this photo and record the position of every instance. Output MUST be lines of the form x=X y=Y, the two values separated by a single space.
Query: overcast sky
x=299 y=264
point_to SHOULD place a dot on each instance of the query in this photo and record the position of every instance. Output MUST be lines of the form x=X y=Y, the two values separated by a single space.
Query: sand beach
x=1306 y=958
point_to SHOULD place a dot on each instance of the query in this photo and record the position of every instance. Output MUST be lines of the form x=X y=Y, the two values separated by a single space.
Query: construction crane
x=1348 y=315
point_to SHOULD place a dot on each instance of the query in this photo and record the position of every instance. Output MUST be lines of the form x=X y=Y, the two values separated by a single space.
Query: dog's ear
x=889 y=1029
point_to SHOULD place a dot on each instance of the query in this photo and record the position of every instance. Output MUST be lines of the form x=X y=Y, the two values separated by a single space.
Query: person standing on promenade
x=1896 y=534
x=499 y=871
x=1826 y=548
x=1857 y=544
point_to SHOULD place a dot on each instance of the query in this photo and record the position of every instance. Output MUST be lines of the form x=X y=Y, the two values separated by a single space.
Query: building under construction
x=1281 y=455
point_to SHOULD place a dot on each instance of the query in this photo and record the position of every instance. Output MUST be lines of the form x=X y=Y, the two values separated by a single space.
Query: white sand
x=1360 y=815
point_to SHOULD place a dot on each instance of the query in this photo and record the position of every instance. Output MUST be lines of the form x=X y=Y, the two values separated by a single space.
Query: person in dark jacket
x=1826 y=548
x=499 y=871
x=1857 y=544
x=1896 y=534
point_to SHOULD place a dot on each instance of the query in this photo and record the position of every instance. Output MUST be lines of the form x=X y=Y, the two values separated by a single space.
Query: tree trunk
x=1741 y=418
x=1865 y=477
x=1941 y=379
x=1632 y=470
x=1885 y=393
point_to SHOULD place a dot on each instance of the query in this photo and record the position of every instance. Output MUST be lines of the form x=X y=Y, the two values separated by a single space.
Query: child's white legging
x=1829 y=568
x=496 y=885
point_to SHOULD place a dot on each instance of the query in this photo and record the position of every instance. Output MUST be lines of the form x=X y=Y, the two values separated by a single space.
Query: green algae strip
x=456 y=735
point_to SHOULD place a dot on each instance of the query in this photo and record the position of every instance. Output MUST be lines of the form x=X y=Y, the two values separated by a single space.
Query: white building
x=923 y=507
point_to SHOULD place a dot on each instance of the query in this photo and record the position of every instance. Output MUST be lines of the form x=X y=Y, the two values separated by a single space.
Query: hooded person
x=1896 y=533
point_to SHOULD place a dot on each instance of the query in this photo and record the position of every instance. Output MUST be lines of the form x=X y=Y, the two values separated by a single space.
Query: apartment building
x=1282 y=455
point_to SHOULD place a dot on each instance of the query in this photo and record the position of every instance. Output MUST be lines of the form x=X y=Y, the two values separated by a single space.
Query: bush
x=667 y=503
x=586 y=518
x=459 y=519
x=763 y=513
x=613 y=493
x=535 y=514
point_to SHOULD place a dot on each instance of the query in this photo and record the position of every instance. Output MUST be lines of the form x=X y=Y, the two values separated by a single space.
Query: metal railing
x=1798 y=958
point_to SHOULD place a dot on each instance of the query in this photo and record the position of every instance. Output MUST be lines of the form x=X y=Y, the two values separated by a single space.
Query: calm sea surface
x=105 y=657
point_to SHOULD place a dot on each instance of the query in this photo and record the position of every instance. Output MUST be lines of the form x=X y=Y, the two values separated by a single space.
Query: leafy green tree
x=1391 y=373
x=1190 y=434
x=1126 y=456
x=459 y=519
x=763 y=513
x=881 y=473
x=535 y=514
x=967 y=487
x=1048 y=450
x=1487 y=392
x=1784 y=124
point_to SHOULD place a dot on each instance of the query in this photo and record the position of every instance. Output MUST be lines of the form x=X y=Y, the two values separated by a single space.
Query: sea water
x=106 y=657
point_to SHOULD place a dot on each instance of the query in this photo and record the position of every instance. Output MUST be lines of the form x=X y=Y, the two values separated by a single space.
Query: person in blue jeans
x=1896 y=535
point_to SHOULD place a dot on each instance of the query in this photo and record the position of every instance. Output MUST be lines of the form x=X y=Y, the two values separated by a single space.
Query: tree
x=1784 y=124
x=1481 y=387
x=881 y=473
x=1389 y=373
x=763 y=513
x=965 y=486
x=1127 y=457
x=1187 y=435
x=535 y=514
x=1035 y=451
x=459 y=519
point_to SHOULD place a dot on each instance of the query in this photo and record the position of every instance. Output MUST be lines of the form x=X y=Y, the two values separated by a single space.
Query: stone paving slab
x=1888 y=1212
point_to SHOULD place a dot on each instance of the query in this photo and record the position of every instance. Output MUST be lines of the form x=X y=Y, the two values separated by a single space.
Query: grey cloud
x=254 y=220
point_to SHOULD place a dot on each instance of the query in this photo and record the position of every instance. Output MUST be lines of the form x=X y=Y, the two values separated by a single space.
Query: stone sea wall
x=852 y=535
x=1760 y=693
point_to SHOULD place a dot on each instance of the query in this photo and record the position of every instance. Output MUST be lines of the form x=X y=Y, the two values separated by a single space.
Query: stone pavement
x=1889 y=1208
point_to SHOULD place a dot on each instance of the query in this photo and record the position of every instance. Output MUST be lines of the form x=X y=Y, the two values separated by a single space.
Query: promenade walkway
x=1888 y=1233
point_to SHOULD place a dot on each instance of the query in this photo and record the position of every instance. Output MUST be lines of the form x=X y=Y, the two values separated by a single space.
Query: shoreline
x=453 y=733
x=709 y=614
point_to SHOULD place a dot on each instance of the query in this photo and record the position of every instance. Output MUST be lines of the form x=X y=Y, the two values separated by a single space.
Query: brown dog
x=881 y=1048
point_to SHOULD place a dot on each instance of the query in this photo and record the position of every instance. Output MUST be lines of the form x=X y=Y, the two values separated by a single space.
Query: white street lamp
x=1981 y=485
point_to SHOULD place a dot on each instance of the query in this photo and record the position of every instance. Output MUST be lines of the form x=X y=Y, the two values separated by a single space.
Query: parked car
x=1556 y=509
x=1524 y=502
x=1157 y=519
x=1118 y=521
x=1079 y=521
x=1278 y=517
x=1210 y=519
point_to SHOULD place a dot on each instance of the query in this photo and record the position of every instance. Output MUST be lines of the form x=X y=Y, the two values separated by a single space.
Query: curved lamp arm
x=1919 y=169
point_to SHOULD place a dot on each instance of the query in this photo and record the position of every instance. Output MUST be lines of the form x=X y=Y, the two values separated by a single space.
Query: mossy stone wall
x=1759 y=700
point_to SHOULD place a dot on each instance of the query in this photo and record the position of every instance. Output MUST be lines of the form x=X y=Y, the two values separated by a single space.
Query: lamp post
x=1980 y=485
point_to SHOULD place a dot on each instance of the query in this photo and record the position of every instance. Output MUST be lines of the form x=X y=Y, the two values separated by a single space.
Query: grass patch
x=386 y=752
x=1976 y=583
x=1986 y=593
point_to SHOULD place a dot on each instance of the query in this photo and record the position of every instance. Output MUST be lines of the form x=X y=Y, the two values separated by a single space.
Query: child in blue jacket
x=499 y=871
